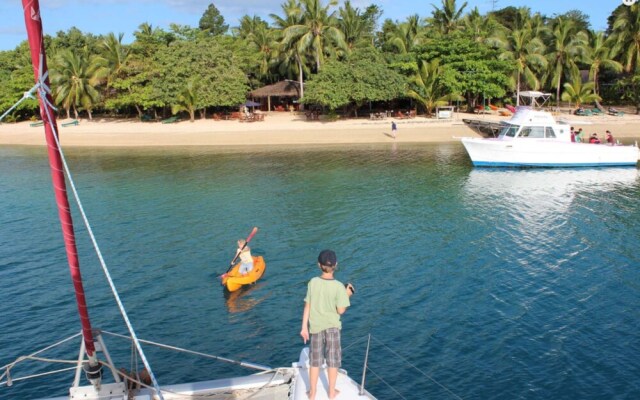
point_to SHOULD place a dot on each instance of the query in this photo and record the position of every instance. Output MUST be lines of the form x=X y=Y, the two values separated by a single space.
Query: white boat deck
x=348 y=388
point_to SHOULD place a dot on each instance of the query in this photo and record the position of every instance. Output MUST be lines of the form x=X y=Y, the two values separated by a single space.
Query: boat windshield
x=509 y=131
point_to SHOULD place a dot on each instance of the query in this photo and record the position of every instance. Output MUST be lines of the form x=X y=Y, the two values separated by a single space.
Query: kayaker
x=325 y=301
x=246 y=261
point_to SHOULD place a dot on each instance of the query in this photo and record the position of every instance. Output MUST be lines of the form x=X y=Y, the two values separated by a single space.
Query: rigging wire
x=418 y=369
x=43 y=90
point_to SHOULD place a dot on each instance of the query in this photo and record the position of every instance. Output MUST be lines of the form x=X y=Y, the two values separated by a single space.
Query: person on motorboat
x=579 y=135
x=594 y=139
x=610 y=139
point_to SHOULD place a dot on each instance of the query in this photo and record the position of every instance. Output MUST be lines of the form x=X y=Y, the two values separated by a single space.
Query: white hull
x=288 y=383
x=547 y=153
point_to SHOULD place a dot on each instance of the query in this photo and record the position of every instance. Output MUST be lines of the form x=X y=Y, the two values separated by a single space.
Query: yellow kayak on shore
x=234 y=281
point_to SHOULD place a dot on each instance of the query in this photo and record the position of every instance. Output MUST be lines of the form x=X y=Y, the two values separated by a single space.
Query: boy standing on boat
x=325 y=301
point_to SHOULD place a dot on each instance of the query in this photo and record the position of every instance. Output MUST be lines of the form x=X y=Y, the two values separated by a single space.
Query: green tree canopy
x=213 y=22
x=208 y=61
x=469 y=68
x=363 y=77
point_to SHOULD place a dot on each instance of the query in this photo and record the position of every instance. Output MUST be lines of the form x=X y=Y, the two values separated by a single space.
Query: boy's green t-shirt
x=324 y=296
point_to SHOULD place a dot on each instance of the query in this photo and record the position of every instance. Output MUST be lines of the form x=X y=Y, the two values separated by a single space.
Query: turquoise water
x=497 y=284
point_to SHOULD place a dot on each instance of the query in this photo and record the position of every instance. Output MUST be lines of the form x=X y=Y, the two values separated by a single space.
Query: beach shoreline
x=281 y=129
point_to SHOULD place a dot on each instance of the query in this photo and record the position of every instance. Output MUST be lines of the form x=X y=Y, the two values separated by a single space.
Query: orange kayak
x=234 y=281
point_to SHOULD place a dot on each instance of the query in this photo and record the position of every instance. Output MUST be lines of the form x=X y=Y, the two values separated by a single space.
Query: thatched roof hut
x=286 y=88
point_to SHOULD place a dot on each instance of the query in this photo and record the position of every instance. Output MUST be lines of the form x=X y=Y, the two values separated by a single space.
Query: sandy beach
x=282 y=128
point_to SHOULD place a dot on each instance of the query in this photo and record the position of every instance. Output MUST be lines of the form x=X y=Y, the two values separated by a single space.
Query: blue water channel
x=475 y=283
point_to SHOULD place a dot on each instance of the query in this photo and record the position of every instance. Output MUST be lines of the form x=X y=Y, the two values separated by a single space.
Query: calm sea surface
x=494 y=284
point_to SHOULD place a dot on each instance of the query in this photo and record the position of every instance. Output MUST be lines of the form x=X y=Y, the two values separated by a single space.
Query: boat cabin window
x=532 y=132
x=509 y=131
x=549 y=133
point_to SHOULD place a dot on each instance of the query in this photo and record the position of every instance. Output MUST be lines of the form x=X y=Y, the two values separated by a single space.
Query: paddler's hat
x=327 y=258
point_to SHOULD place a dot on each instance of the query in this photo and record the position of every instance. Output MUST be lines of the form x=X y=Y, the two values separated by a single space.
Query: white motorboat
x=533 y=138
x=96 y=375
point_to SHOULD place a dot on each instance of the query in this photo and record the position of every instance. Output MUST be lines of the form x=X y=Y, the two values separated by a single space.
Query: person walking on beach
x=325 y=301
x=394 y=129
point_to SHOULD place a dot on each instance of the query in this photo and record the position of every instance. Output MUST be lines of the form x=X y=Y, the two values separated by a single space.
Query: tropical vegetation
x=346 y=59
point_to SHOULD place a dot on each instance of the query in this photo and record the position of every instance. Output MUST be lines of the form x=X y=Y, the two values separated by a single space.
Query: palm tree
x=187 y=101
x=114 y=57
x=317 y=32
x=447 y=19
x=577 y=92
x=248 y=26
x=527 y=55
x=626 y=33
x=288 y=53
x=566 y=46
x=406 y=35
x=353 y=25
x=600 y=55
x=264 y=40
x=425 y=87
x=477 y=25
x=75 y=77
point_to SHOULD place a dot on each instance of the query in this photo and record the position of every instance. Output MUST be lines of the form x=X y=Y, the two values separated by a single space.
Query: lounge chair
x=615 y=113
x=39 y=123
x=75 y=122
x=596 y=111
x=171 y=120
x=146 y=118
x=583 y=113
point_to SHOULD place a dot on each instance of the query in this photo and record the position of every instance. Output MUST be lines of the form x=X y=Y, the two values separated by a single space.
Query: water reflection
x=531 y=187
x=240 y=300
x=536 y=212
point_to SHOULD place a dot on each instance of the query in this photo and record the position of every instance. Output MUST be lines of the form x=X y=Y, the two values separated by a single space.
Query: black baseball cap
x=327 y=258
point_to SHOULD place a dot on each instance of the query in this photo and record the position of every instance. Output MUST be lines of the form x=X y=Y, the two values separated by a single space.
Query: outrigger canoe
x=234 y=281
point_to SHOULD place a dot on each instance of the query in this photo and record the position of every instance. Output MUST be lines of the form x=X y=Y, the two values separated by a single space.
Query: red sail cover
x=33 y=23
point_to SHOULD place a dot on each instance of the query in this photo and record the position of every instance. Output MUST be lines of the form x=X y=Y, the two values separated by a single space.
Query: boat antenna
x=33 y=23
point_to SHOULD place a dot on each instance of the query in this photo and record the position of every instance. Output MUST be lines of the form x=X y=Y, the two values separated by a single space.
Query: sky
x=124 y=16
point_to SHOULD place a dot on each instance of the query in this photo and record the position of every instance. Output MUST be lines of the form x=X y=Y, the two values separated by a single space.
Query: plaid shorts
x=325 y=345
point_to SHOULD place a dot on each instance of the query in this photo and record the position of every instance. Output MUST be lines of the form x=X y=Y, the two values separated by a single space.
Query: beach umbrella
x=251 y=103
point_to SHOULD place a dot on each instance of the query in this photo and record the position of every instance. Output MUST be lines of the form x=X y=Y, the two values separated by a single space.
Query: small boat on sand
x=233 y=280
x=533 y=138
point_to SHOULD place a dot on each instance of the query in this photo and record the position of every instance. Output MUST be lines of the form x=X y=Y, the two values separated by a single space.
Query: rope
x=36 y=376
x=354 y=343
x=43 y=91
x=26 y=95
x=385 y=382
x=10 y=365
x=197 y=353
x=418 y=369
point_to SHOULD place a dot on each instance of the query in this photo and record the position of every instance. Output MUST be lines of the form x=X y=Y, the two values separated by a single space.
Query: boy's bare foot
x=335 y=394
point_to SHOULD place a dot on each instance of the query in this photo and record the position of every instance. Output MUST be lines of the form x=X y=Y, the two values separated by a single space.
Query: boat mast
x=33 y=23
